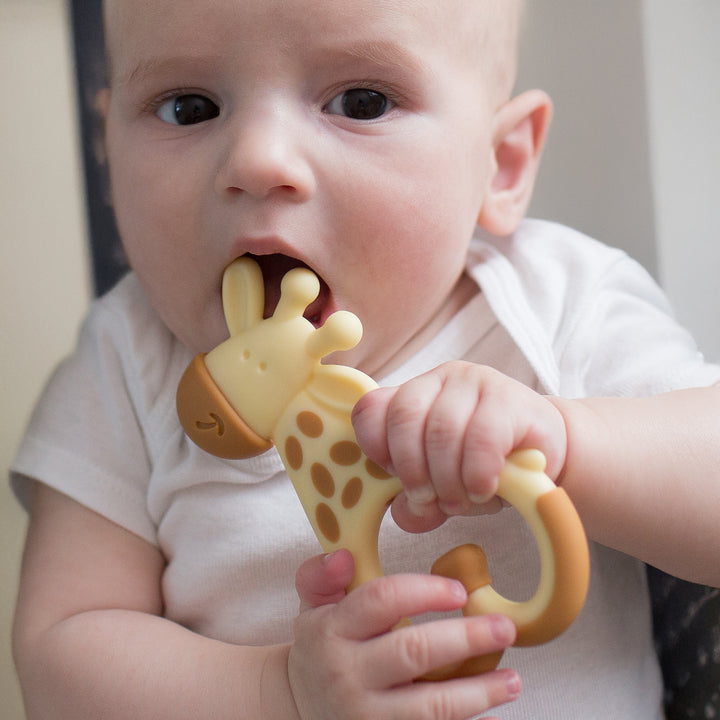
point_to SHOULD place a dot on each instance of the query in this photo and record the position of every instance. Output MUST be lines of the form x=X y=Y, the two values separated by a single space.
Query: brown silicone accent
x=572 y=569
x=466 y=563
x=208 y=418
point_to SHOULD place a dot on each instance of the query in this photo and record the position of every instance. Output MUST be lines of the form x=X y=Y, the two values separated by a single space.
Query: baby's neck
x=465 y=290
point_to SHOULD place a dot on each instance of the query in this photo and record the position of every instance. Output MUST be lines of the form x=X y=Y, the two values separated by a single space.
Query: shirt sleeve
x=84 y=438
x=590 y=320
x=626 y=340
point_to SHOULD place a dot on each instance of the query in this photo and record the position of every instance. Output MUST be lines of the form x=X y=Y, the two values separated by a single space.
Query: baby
x=380 y=145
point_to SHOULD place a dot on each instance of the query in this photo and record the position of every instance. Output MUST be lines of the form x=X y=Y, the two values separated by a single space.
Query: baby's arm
x=644 y=474
x=90 y=641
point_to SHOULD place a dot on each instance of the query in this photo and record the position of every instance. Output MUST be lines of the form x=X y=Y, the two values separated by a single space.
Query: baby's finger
x=369 y=418
x=454 y=699
x=411 y=652
x=489 y=437
x=416 y=518
x=379 y=605
x=406 y=426
x=322 y=579
x=445 y=430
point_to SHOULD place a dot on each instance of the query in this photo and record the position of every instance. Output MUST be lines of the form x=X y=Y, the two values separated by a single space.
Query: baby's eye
x=359 y=104
x=188 y=110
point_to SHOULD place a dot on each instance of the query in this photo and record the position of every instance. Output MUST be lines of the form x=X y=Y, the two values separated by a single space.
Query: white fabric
x=557 y=311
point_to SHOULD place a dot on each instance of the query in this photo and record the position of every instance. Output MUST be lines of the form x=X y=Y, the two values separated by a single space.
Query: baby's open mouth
x=274 y=267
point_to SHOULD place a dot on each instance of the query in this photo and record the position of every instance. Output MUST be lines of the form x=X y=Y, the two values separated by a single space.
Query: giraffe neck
x=343 y=492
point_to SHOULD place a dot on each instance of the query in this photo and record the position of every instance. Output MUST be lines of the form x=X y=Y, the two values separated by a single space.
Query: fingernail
x=453 y=508
x=479 y=498
x=513 y=684
x=502 y=629
x=458 y=590
x=421 y=495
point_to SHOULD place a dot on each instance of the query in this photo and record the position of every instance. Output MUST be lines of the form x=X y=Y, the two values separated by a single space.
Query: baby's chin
x=201 y=333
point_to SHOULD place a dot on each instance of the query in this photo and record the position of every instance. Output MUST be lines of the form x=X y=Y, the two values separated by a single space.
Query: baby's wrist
x=278 y=700
x=558 y=463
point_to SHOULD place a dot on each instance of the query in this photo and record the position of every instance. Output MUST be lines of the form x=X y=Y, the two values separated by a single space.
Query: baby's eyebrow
x=381 y=54
x=385 y=52
x=158 y=66
x=374 y=53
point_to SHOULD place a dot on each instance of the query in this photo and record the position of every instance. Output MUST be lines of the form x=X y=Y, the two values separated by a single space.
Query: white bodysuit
x=557 y=311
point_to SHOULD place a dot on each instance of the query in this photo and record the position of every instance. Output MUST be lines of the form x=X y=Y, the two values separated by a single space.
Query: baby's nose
x=266 y=153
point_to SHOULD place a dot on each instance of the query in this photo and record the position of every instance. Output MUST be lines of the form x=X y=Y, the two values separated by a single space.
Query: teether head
x=266 y=385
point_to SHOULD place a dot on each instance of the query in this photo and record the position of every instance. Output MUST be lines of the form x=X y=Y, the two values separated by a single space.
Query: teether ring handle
x=564 y=561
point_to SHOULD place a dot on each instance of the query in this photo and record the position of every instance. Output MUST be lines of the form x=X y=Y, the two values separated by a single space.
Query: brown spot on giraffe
x=310 y=424
x=352 y=493
x=374 y=470
x=293 y=452
x=345 y=452
x=327 y=522
x=322 y=480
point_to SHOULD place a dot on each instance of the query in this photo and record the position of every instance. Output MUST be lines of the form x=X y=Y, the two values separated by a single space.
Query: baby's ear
x=519 y=131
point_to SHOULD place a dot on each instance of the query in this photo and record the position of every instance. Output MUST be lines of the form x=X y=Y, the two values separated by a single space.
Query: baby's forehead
x=484 y=29
x=488 y=12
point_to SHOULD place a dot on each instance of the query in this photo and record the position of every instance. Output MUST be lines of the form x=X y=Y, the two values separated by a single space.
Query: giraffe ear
x=243 y=295
x=338 y=386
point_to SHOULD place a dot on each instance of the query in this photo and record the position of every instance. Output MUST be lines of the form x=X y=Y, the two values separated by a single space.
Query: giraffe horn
x=341 y=331
x=243 y=294
x=298 y=289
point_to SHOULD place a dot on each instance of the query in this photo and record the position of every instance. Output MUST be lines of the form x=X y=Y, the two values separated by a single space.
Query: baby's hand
x=446 y=435
x=347 y=662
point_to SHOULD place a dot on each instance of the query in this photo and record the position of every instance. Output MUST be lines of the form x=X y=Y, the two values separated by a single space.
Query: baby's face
x=353 y=137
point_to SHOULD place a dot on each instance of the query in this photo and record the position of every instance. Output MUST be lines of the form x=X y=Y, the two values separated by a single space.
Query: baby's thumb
x=369 y=419
x=322 y=579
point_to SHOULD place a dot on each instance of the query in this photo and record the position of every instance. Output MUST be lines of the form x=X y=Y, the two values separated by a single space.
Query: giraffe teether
x=266 y=385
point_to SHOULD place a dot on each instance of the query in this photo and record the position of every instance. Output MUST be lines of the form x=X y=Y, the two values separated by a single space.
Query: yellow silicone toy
x=266 y=385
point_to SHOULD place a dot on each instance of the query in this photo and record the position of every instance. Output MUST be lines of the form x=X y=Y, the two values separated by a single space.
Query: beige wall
x=682 y=56
x=43 y=279
x=634 y=150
